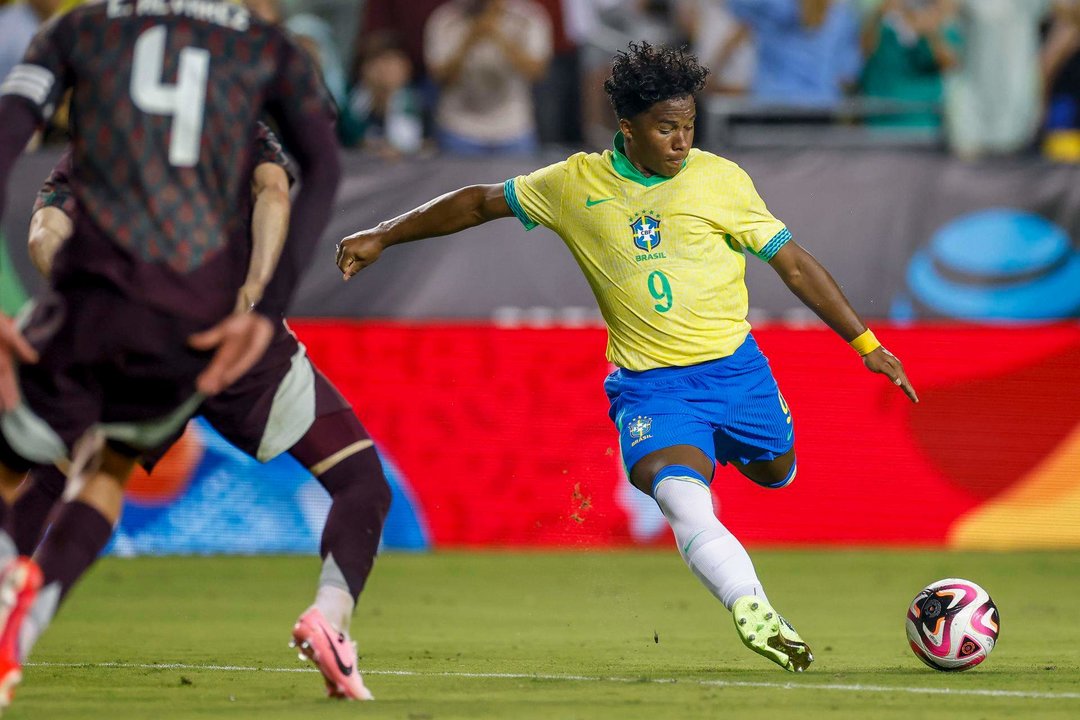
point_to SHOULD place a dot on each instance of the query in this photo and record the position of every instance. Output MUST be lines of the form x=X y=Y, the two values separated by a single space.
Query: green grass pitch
x=550 y=635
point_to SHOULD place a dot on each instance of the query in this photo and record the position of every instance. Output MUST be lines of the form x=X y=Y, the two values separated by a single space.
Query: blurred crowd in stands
x=474 y=77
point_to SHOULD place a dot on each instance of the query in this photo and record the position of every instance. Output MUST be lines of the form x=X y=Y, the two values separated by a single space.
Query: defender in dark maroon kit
x=283 y=404
x=138 y=326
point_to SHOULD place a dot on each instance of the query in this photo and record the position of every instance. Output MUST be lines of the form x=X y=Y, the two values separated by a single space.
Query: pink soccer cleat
x=20 y=581
x=333 y=653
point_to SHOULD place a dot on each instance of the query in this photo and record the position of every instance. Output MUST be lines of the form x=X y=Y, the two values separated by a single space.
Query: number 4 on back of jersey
x=185 y=101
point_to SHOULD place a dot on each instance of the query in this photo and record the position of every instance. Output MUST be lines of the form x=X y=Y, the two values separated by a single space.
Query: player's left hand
x=357 y=251
x=238 y=342
x=13 y=348
x=884 y=362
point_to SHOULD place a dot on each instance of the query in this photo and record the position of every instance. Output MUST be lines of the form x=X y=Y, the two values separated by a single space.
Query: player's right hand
x=13 y=348
x=357 y=251
x=238 y=342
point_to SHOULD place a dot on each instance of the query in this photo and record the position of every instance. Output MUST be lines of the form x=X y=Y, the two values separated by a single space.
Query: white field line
x=832 y=687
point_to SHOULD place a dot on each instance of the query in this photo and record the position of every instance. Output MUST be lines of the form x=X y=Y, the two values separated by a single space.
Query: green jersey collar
x=624 y=167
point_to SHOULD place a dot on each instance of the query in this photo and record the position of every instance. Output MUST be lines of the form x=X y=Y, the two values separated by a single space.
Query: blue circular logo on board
x=998 y=264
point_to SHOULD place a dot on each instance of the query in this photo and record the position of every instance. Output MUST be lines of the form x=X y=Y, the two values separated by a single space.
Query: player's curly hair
x=644 y=75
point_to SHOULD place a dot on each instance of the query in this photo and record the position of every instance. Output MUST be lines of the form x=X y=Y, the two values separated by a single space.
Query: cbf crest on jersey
x=639 y=429
x=646 y=232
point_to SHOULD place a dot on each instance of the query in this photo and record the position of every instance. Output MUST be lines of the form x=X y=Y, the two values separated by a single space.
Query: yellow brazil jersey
x=664 y=256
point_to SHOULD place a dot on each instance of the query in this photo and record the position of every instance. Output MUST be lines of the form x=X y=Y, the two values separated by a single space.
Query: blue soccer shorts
x=730 y=409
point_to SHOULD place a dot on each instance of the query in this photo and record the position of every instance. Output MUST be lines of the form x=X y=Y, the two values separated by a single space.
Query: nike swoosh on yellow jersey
x=589 y=202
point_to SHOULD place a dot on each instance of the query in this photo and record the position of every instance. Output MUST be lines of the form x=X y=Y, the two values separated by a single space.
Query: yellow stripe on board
x=1041 y=511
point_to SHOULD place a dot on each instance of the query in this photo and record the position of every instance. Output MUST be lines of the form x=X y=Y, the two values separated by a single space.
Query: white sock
x=712 y=552
x=336 y=605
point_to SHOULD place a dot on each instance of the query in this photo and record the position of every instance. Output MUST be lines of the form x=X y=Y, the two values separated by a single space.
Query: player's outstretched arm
x=464 y=208
x=814 y=286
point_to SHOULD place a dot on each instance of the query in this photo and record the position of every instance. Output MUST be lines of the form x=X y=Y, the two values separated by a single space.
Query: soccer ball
x=952 y=625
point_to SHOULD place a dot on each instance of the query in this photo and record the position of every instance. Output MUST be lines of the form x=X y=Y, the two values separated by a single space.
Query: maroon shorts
x=269 y=409
x=105 y=361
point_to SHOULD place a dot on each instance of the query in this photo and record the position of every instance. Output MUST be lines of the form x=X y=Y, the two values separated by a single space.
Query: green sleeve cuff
x=772 y=247
x=510 y=193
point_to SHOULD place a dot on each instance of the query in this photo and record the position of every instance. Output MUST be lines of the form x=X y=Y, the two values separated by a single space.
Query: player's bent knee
x=787 y=480
x=772 y=474
x=682 y=473
x=646 y=471
x=118 y=464
x=774 y=480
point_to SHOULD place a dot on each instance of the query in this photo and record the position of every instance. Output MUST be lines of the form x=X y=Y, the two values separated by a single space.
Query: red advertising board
x=503 y=436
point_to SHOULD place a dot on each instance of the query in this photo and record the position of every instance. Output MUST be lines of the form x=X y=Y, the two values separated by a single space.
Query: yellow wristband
x=865 y=343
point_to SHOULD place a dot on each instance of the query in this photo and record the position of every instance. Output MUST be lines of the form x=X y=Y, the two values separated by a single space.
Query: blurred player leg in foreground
x=150 y=394
x=38 y=494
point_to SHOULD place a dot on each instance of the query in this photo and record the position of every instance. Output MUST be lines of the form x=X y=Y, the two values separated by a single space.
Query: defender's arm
x=269 y=228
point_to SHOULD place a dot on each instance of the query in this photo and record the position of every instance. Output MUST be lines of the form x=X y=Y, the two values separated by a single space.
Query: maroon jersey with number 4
x=56 y=190
x=165 y=99
x=241 y=413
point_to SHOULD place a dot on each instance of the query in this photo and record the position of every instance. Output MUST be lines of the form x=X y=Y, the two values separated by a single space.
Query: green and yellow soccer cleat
x=765 y=632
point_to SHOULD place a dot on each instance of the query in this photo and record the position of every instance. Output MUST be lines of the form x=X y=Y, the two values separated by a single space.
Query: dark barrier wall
x=864 y=214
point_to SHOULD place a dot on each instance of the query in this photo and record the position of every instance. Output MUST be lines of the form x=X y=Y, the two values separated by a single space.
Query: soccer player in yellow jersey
x=661 y=231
